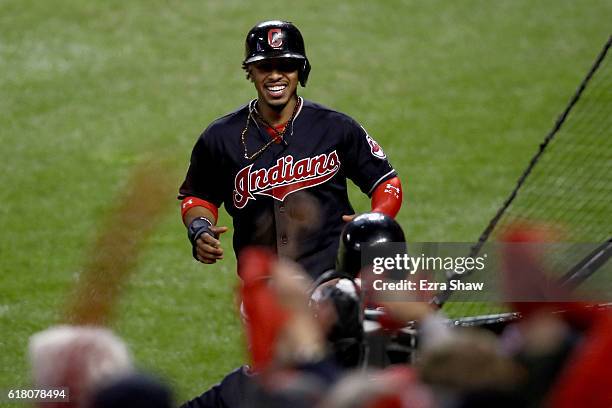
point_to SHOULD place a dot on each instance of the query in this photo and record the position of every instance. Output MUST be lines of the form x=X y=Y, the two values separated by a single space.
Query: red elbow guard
x=387 y=197
x=190 y=202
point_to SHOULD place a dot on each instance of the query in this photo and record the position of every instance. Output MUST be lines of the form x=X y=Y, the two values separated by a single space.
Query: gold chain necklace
x=279 y=134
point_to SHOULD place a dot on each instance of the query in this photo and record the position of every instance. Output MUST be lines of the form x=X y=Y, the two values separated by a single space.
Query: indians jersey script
x=292 y=196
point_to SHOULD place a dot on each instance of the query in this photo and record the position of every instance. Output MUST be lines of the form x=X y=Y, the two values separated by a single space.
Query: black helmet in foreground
x=276 y=39
x=365 y=230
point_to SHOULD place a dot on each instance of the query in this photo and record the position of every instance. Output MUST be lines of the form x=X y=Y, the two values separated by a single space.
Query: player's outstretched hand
x=348 y=218
x=209 y=248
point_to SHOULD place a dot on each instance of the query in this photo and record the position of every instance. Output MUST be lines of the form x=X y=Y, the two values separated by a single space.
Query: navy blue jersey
x=292 y=196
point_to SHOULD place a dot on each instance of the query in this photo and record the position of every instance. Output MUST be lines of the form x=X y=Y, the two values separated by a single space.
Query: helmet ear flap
x=304 y=71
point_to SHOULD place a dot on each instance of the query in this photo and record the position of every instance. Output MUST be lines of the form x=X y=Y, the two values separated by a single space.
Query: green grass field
x=458 y=93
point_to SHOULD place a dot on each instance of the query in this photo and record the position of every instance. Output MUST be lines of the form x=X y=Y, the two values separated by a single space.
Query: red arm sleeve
x=190 y=202
x=387 y=197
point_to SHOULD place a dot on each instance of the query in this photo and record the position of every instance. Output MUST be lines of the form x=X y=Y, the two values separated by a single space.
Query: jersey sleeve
x=202 y=179
x=366 y=162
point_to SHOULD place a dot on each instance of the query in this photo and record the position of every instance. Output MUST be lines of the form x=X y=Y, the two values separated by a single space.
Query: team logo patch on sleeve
x=375 y=148
x=284 y=178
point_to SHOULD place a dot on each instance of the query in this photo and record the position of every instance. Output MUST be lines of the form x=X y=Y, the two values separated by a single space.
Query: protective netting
x=567 y=187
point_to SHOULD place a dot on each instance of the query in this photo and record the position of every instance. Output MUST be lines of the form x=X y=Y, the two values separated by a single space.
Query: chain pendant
x=279 y=135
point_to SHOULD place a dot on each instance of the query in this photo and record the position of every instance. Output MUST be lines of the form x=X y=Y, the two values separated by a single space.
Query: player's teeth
x=276 y=88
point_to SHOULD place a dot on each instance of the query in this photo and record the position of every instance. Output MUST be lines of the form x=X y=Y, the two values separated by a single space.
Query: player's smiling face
x=275 y=80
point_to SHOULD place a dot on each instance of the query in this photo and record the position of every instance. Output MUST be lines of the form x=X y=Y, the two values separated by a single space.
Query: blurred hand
x=348 y=218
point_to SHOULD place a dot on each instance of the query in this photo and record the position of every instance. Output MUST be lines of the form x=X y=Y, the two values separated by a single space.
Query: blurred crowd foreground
x=307 y=348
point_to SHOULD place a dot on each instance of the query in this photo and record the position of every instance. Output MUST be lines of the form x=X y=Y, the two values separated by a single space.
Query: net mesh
x=568 y=184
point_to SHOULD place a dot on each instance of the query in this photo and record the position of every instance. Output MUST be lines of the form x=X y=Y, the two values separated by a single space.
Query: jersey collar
x=253 y=108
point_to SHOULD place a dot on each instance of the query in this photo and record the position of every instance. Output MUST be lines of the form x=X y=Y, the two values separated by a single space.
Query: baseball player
x=280 y=164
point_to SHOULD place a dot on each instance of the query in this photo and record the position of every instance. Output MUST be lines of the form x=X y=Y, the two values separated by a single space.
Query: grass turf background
x=458 y=93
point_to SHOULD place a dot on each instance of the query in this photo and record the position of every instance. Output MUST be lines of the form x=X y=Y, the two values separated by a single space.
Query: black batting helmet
x=363 y=231
x=276 y=39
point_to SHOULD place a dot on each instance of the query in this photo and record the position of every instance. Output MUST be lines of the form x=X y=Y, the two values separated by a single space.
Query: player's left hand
x=348 y=218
